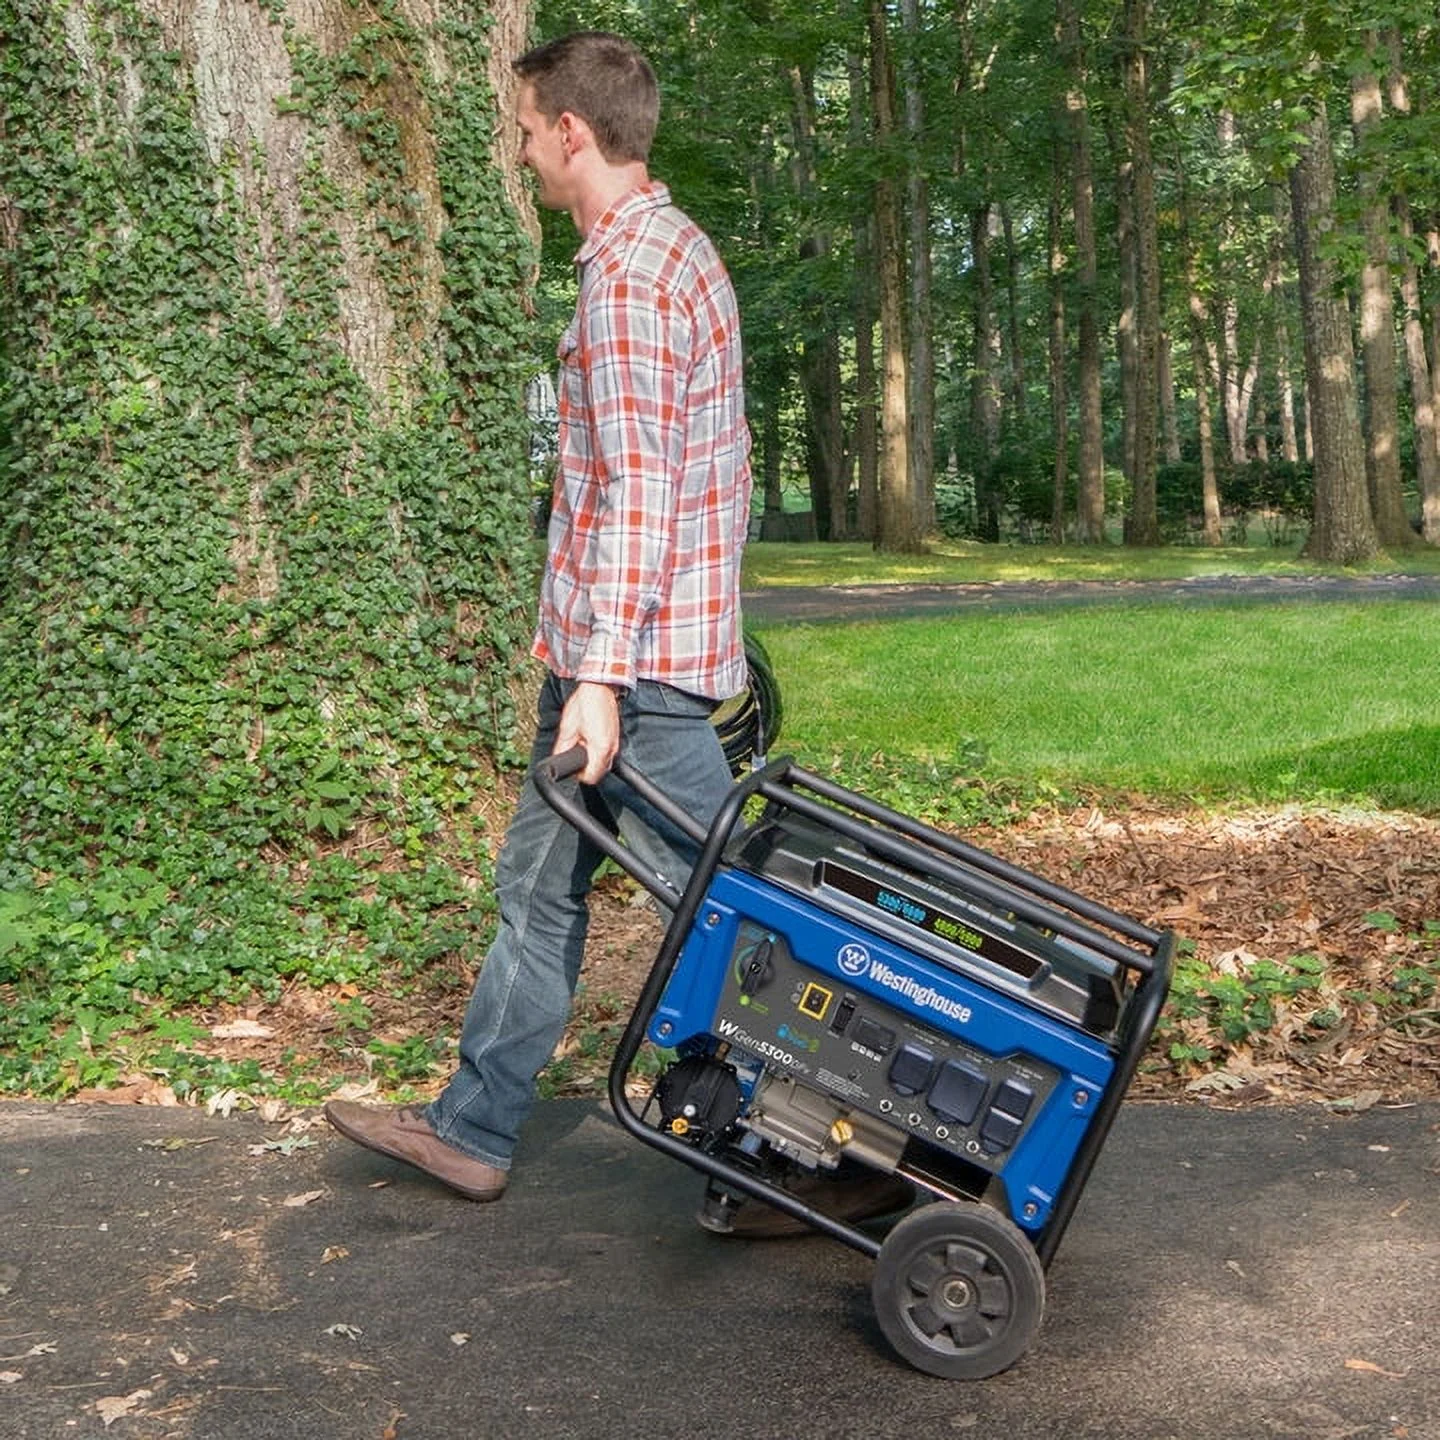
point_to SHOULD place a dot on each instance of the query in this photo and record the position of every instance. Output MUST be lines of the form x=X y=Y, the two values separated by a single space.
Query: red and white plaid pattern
x=652 y=496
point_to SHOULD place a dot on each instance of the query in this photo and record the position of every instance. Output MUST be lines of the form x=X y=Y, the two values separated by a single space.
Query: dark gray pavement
x=819 y=603
x=1230 y=1275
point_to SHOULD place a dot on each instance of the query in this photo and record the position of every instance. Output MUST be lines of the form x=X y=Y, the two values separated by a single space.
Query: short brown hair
x=603 y=79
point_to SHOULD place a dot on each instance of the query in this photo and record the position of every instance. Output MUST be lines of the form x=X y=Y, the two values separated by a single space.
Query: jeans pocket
x=650 y=697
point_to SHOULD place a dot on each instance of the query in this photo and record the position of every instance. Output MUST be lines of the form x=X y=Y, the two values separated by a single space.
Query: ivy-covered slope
x=264 y=559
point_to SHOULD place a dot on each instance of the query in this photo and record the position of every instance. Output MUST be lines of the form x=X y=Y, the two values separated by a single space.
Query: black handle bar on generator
x=554 y=769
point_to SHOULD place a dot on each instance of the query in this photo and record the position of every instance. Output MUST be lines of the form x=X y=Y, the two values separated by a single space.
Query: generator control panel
x=874 y=1057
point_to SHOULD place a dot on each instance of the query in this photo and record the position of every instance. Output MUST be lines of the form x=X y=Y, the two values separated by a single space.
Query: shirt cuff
x=607 y=661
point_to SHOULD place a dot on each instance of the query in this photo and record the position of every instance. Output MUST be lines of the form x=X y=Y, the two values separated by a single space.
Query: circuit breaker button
x=999 y=1132
x=957 y=1092
x=1014 y=1099
x=911 y=1069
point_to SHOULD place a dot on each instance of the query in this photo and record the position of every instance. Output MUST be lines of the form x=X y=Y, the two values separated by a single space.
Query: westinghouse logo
x=856 y=960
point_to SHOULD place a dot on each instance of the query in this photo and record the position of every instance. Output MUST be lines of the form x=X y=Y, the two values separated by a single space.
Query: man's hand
x=591 y=718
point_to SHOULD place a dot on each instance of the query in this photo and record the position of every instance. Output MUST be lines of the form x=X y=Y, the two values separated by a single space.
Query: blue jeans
x=521 y=1001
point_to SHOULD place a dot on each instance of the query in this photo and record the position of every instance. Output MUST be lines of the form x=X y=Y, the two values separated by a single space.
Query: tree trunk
x=1284 y=384
x=1144 y=526
x=1091 y=479
x=772 y=455
x=984 y=377
x=921 y=318
x=268 y=541
x=867 y=389
x=820 y=347
x=1422 y=390
x=1169 y=419
x=1015 y=357
x=1200 y=349
x=898 y=529
x=1342 y=530
x=1128 y=318
x=1059 y=400
x=1377 y=322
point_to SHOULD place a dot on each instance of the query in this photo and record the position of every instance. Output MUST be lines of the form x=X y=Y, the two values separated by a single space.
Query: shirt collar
x=648 y=196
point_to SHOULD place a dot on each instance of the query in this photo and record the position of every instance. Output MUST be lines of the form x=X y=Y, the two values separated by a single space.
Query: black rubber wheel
x=959 y=1291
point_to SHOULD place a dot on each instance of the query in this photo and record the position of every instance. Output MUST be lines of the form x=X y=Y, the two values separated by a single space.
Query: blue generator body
x=844 y=989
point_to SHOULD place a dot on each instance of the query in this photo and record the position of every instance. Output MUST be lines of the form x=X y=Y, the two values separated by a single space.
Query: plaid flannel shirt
x=652 y=494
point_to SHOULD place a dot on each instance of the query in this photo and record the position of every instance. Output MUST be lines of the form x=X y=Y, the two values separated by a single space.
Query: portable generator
x=843 y=986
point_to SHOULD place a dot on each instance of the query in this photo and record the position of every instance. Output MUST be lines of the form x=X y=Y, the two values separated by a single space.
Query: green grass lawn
x=959 y=561
x=1331 y=701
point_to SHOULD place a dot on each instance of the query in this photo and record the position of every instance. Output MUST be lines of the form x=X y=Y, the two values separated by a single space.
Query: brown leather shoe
x=403 y=1133
x=865 y=1195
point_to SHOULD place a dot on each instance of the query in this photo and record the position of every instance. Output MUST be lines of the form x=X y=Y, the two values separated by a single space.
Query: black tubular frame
x=892 y=835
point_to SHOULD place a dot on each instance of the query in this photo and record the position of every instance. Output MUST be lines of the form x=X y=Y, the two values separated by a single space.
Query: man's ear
x=575 y=133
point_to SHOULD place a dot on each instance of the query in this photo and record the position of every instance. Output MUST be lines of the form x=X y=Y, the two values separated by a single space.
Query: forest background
x=1075 y=272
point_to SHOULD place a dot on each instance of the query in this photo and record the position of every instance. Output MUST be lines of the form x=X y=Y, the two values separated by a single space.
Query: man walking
x=639 y=624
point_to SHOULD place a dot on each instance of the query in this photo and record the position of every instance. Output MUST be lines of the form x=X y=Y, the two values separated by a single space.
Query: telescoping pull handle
x=554 y=769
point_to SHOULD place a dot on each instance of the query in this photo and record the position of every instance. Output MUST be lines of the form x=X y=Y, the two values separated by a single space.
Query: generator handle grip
x=570 y=806
x=565 y=764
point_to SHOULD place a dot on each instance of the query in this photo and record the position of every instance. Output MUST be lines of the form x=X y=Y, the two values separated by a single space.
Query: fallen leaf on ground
x=115 y=1407
x=348 y=1332
x=286 y=1145
x=334 y=1252
x=295 y=1201
x=45 y=1347
x=1371 y=1368
x=241 y=1030
x=177 y=1142
x=132 y=1090
x=10 y=1377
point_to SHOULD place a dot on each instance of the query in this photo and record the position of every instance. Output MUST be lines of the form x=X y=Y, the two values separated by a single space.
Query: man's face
x=543 y=149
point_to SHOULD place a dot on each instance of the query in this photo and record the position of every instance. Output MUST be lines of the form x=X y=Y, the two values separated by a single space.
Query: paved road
x=1239 y=1275
x=870 y=602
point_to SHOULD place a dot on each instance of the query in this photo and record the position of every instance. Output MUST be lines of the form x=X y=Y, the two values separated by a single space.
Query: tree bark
x=984 y=377
x=820 y=348
x=1169 y=418
x=898 y=528
x=867 y=389
x=921 y=318
x=1342 y=529
x=1091 y=460
x=1059 y=399
x=1144 y=528
x=265 y=341
x=1377 y=321
x=1200 y=352
x=1284 y=383
x=1422 y=389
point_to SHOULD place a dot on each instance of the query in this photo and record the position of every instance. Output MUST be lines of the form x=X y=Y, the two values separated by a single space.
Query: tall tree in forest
x=897 y=527
x=1059 y=396
x=1377 y=313
x=866 y=443
x=264 y=536
x=1143 y=526
x=1342 y=530
x=1091 y=457
x=921 y=310
x=1422 y=389
x=820 y=346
